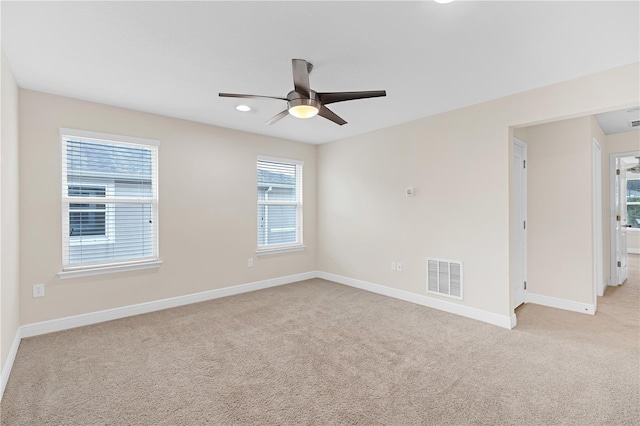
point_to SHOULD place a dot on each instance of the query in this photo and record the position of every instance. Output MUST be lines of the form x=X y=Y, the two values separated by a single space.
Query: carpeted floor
x=316 y=352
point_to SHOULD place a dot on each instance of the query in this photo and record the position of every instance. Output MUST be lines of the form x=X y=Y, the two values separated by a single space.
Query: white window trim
x=299 y=244
x=107 y=137
x=101 y=270
x=280 y=160
x=90 y=269
x=287 y=248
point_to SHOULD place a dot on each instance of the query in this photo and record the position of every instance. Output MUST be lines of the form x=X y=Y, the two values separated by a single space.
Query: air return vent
x=635 y=123
x=444 y=277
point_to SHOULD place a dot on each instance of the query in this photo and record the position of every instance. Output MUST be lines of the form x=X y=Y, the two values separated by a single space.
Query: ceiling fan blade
x=301 y=77
x=331 y=97
x=330 y=115
x=277 y=117
x=238 y=95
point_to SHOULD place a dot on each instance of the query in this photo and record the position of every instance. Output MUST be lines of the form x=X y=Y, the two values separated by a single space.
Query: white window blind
x=109 y=200
x=279 y=203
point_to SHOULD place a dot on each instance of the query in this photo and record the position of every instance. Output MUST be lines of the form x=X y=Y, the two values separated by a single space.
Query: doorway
x=625 y=210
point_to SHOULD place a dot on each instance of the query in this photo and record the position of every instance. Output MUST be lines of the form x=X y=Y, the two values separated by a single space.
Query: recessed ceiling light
x=443 y=1
x=243 y=108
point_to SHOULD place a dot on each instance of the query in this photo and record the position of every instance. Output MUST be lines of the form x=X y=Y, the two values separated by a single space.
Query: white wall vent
x=444 y=277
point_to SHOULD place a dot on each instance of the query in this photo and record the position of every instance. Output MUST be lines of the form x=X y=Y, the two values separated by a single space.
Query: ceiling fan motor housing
x=293 y=95
x=304 y=102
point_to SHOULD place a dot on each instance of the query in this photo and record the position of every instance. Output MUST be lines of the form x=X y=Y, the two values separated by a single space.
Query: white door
x=621 y=221
x=519 y=200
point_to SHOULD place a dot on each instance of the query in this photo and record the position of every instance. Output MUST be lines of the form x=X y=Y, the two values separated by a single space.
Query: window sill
x=277 y=250
x=101 y=270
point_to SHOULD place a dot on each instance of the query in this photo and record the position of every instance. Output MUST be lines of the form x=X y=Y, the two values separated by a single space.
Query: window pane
x=633 y=189
x=633 y=198
x=133 y=188
x=276 y=181
x=81 y=206
x=87 y=223
x=108 y=159
x=86 y=191
x=130 y=236
x=87 y=219
x=277 y=224
x=633 y=215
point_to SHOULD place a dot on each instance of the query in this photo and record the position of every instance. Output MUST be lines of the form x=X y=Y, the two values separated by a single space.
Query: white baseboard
x=633 y=250
x=8 y=364
x=567 y=305
x=44 y=327
x=442 y=305
x=66 y=323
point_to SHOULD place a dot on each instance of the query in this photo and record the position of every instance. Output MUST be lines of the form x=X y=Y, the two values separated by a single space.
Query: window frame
x=106 y=266
x=298 y=203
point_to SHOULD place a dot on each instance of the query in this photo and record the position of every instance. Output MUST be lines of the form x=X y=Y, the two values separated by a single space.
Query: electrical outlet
x=38 y=290
x=399 y=266
x=394 y=266
x=250 y=262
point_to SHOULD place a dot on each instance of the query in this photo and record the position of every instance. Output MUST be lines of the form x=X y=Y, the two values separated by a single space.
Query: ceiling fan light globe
x=304 y=108
x=303 y=111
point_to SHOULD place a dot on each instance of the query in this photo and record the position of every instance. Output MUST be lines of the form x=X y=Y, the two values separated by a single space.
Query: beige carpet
x=316 y=352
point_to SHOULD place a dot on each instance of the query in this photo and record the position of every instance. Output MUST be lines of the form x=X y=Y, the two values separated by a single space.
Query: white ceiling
x=172 y=58
x=618 y=121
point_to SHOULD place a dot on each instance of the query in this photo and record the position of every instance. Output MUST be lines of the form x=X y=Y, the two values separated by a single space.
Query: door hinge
x=618 y=218
x=617 y=171
x=524 y=164
x=619 y=264
x=525 y=224
x=525 y=285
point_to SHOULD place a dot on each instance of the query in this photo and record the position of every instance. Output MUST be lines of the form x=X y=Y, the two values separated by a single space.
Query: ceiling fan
x=636 y=168
x=302 y=102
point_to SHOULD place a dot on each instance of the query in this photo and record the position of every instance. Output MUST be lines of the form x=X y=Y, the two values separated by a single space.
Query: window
x=279 y=204
x=109 y=201
x=633 y=202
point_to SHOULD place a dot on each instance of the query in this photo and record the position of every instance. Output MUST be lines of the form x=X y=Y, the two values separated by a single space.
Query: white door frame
x=598 y=279
x=613 y=235
x=522 y=226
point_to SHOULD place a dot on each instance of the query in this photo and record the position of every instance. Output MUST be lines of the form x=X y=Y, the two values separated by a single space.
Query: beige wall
x=560 y=211
x=633 y=242
x=9 y=212
x=618 y=143
x=459 y=163
x=521 y=134
x=601 y=138
x=207 y=212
